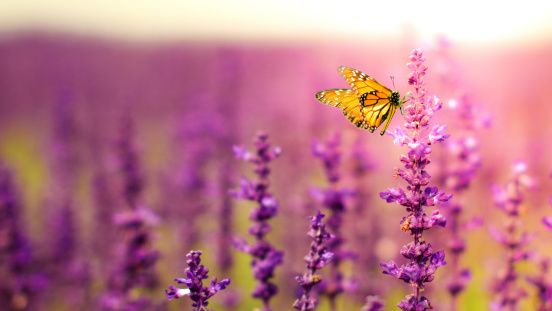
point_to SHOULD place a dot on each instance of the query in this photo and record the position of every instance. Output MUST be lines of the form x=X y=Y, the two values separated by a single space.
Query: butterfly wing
x=347 y=101
x=377 y=107
x=362 y=83
x=367 y=105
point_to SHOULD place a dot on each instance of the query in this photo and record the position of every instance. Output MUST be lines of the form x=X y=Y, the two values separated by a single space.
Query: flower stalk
x=513 y=238
x=265 y=256
x=333 y=199
x=423 y=261
x=196 y=273
x=317 y=258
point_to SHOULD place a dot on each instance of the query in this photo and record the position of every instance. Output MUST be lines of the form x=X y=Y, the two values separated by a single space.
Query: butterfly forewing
x=361 y=82
x=347 y=101
x=367 y=105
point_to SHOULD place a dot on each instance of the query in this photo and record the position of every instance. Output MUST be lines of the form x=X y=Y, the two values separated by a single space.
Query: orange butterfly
x=367 y=105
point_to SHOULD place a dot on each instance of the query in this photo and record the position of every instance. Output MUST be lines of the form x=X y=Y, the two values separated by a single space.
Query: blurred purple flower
x=135 y=265
x=21 y=283
x=334 y=199
x=128 y=161
x=68 y=263
x=225 y=257
x=330 y=155
x=472 y=224
x=64 y=144
x=423 y=261
x=547 y=220
x=265 y=257
x=373 y=303
x=317 y=258
x=543 y=285
x=458 y=283
x=540 y=281
x=367 y=229
x=362 y=161
x=507 y=293
x=462 y=163
x=195 y=274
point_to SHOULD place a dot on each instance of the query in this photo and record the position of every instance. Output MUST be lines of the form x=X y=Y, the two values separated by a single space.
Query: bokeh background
x=194 y=78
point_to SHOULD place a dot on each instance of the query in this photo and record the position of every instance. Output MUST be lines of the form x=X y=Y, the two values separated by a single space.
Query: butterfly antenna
x=393 y=81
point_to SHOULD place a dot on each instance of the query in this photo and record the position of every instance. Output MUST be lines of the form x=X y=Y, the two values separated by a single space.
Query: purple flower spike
x=463 y=162
x=458 y=178
x=334 y=199
x=136 y=267
x=20 y=281
x=317 y=258
x=458 y=284
x=541 y=280
x=513 y=238
x=265 y=256
x=542 y=283
x=423 y=262
x=195 y=274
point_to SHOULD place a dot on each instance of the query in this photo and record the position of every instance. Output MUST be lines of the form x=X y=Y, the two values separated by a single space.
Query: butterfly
x=367 y=105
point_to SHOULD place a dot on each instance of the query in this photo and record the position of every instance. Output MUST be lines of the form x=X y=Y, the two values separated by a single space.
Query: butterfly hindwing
x=377 y=107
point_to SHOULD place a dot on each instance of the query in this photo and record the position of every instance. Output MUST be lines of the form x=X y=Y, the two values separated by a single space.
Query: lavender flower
x=547 y=220
x=188 y=178
x=265 y=256
x=20 y=285
x=367 y=227
x=129 y=164
x=67 y=254
x=373 y=303
x=458 y=178
x=135 y=266
x=513 y=238
x=317 y=258
x=544 y=287
x=462 y=163
x=195 y=274
x=333 y=199
x=423 y=261
x=224 y=248
x=64 y=144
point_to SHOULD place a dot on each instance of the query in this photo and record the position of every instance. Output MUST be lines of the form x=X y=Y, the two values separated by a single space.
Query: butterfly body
x=367 y=105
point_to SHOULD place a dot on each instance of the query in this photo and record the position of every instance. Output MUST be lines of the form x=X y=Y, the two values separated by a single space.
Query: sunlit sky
x=467 y=20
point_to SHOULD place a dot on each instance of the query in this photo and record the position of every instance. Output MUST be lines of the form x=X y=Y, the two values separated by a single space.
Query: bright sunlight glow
x=468 y=20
